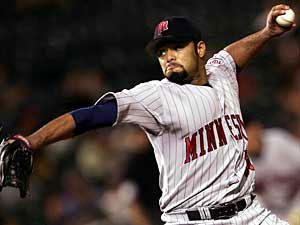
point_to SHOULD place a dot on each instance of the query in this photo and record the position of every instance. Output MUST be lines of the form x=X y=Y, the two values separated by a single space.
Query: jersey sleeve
x=140 y=105
x=224 y=62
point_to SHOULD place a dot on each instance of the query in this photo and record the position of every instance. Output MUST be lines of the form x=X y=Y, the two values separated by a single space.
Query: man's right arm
x=102 y=114
x=58 y=129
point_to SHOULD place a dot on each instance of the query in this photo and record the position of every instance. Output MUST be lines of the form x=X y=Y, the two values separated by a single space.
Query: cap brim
x=155 y=44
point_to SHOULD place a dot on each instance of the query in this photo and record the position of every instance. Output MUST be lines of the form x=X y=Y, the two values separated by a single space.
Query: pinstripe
x=153 y=101
x=182 y=143
x=198 y=110
x=193 y=116
x=176 y=140
x=187 y=123
x=140 y=115
x=215 y=164
x=157 y=107
x=127 y=96
x=141 y=121
x=222 y=164
x=206 y=119
x=227 y=171
x=137 y=109
x=149 y=101
x=169 y=139
x=126 y=104
x=142 y=92
x=209 y=155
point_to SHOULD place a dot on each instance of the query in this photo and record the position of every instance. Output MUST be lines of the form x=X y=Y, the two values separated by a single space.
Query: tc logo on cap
x=162 y=26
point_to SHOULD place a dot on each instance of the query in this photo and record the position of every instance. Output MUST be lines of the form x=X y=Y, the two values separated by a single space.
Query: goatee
x=179 y=78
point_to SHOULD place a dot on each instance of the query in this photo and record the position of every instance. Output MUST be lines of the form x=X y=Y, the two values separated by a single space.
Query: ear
x=201 y=49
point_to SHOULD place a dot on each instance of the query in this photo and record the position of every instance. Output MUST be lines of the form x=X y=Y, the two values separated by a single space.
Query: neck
x=201 y=77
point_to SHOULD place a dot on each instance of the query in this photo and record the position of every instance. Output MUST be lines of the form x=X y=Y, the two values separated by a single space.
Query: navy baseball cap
x=172 y=29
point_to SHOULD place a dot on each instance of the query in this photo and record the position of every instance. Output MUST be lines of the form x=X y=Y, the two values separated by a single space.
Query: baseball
x=287 y=19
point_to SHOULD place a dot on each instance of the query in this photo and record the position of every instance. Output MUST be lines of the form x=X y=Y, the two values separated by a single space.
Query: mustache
x=171 y=64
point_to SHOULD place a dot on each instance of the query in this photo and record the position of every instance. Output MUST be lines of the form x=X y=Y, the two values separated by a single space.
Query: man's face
x=179 y=61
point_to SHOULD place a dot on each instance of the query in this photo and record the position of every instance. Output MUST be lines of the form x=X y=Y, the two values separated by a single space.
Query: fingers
x=281 y=6
x=279 y=10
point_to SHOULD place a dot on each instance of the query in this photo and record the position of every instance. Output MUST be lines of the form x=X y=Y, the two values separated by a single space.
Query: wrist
x=266 y=34
x=23 y=139
x=33 y=142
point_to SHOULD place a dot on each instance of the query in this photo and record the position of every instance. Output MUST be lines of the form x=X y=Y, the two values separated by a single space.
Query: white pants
x=255 y=214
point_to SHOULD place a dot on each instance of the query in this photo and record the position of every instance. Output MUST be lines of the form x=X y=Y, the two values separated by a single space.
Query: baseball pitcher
x=193 y=120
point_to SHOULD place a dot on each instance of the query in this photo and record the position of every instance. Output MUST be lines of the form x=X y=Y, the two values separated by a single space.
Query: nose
x=171 y=55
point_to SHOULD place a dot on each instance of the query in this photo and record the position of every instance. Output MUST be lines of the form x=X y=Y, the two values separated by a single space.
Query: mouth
x=172 y=66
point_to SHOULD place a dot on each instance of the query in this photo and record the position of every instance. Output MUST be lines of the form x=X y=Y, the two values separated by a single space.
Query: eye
x=161 y=52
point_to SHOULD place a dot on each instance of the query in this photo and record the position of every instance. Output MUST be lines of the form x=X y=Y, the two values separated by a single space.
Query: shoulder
x=222 y=60
x=221 y=69
x=149 y=95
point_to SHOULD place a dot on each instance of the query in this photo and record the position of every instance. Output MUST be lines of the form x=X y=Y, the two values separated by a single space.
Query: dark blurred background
x=59 y=55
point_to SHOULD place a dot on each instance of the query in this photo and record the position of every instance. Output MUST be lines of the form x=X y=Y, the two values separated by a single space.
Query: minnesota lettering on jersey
x=235 y=125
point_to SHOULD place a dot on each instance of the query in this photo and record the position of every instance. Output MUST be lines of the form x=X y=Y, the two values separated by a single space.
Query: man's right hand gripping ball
x=16 y=164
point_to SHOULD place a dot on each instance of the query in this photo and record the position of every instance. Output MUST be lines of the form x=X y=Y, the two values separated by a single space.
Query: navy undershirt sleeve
x=96 y=116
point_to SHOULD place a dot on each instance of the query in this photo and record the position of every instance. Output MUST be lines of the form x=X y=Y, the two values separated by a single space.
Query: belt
x=223 y=211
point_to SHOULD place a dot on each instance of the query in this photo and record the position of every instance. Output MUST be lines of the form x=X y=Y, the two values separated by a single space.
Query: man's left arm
x=247 y=48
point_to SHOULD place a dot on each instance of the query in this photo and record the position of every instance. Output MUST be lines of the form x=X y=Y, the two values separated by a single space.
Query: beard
x=179 y=77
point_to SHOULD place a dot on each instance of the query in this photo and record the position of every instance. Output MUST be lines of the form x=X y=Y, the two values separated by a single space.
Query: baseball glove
x=16 y=163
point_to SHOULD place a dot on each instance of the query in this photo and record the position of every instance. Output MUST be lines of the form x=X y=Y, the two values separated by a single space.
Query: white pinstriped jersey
x=197 y=134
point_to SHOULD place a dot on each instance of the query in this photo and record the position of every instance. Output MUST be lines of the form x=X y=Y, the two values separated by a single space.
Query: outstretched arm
x=74 y=123
x=58 y=129
x=245 y=49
